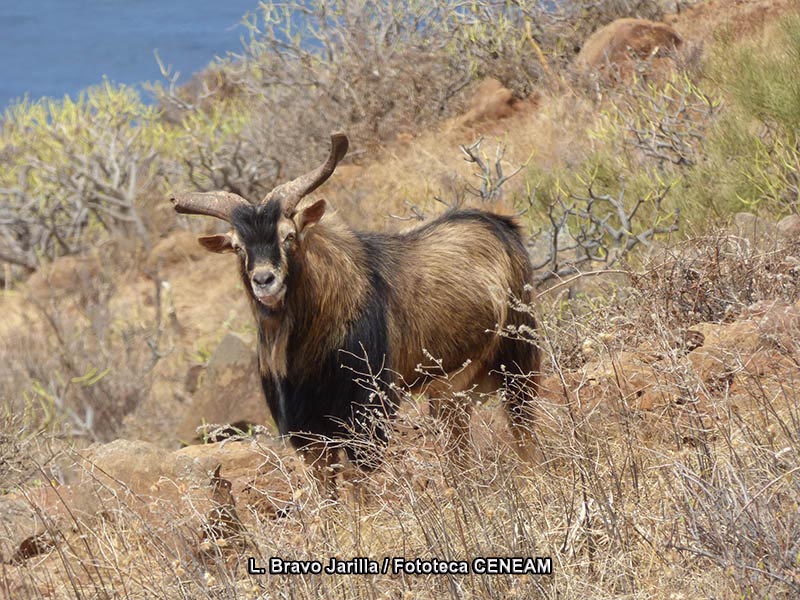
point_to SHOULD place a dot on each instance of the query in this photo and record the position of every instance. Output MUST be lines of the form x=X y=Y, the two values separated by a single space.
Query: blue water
x=58 y=47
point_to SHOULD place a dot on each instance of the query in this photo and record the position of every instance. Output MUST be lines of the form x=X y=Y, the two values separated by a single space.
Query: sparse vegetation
x=666 y=439
x=76 y=171
x=752 y=159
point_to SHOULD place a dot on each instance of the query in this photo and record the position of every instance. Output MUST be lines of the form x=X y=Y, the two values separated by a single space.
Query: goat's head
x=266 y=235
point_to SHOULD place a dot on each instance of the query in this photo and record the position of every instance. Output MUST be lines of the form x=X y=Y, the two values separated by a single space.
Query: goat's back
x=449 y=283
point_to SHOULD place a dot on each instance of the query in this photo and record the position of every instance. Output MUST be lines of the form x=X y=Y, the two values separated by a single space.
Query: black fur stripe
x=348 y=397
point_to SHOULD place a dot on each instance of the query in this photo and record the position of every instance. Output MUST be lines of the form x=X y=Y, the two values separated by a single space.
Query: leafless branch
x=492 y=177
x=666 y=123
x=99 y=181
x=591 y=230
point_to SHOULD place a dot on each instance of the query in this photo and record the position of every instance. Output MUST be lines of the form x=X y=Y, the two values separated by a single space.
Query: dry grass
x=661 y=473
x=694 y=497
x=621 y=514
x=431 y=165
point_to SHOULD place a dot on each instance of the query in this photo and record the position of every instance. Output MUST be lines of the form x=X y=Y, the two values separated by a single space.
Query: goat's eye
x=289 y=238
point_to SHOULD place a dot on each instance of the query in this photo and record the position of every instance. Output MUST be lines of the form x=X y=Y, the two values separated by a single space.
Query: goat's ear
x=220 y=242
x=311 y=215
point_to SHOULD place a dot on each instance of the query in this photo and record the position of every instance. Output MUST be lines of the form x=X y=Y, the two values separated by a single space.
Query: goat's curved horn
x=291 y=192
x=213 y=204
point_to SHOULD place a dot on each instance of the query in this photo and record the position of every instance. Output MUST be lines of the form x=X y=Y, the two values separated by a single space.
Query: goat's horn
x=213 y=204
x=291 y=192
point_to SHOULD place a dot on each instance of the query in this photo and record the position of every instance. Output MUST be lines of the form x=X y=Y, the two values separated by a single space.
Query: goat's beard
x=271 y=301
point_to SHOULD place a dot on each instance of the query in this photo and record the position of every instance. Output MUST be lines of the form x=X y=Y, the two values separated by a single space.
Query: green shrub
x=76 y=171
x=753 y=160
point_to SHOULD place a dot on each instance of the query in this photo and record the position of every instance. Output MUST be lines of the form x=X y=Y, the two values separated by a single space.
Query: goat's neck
x=326 y=289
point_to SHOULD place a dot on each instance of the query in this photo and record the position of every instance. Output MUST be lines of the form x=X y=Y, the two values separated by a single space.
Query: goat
x=331 y=303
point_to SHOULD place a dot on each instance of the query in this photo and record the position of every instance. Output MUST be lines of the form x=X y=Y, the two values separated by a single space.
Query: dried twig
x=599 y=229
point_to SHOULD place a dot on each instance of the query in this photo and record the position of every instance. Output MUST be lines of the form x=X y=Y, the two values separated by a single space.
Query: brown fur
x=317 y=303
x=435 y=307
x=322 y=293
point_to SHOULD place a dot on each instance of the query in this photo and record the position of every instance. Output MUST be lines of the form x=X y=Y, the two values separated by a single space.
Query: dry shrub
x=738 y=501
x=715 y=277
x=24 y=448
x=664 y=123
x=712 y=278
x=78 y=365
x=375 y=69
x=707 y=481
x=620 y=513
x=76 y=173
x=623 y=502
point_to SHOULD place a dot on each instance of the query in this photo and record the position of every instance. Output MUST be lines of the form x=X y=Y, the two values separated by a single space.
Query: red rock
x=790 y=226
x=232 y=372
x=492 y=101
x=623 y=40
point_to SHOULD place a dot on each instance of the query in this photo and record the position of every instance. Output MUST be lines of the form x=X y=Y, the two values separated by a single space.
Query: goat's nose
x=263 y=278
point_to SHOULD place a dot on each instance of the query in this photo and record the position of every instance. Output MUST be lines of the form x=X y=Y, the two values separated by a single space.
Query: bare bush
x=374 y=69
x=24 y=448
x=741 y=514
x=599 y=230
x=79 y=369
x=665 y=123
x=491 y=176
x=722 y=468
x=581 y=230
x=714 y=278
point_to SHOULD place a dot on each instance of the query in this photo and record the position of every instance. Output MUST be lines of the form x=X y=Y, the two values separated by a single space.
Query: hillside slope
x=667 y=440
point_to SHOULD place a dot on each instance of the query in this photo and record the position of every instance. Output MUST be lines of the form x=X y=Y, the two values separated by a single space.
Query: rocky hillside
x=139 y=458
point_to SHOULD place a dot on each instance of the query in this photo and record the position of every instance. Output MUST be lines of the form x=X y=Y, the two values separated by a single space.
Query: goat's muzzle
x=268 y=287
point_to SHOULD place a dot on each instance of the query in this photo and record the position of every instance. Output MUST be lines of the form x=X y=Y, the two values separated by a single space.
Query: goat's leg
x=321 y=457
x=517 y=370
x=454 y=412
x=519 y=403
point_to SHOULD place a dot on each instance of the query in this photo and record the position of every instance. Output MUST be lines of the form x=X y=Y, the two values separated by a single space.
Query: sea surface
x=58 y=47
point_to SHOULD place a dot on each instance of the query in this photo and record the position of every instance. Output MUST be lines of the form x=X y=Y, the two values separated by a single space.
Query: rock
x=183 y=475
x=761 y=234
x=267 y=476
x=172 y=479
x=228 y=392
x=623 y=40
x=790 y=226
x=616 y=380
x=31 y=520
x=241 y=458
x=139 y=465
x=134 y=482
x=779 y=324
x=725 y=352
x=492 y=101
x=34 y=545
